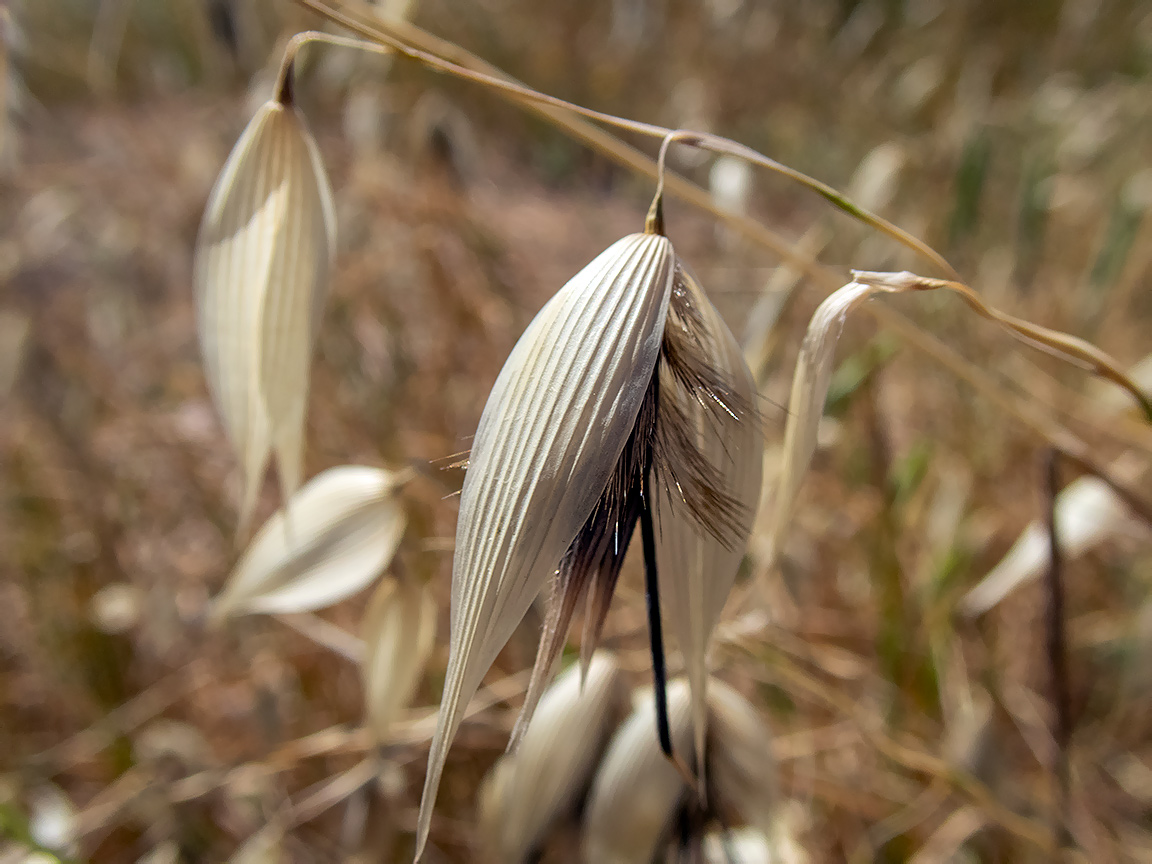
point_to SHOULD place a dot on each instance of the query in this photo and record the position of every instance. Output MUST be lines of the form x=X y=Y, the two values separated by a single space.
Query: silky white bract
x=337 y=534
x=553 y=428
x=261 y=266
x=528 y=789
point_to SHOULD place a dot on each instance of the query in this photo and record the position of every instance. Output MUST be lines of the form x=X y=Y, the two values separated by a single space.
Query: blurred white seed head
x=526 y=791
x=337 y=534
x=730 y=182
x=741 y=768
x=399 y=632
x=877 y=177
x=626 y=398
x=746 y=846
x=53 y=821
x=1087 y=512
x=261 y=267
x=637 y=790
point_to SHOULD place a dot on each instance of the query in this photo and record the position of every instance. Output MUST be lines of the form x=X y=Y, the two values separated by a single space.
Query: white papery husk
x=526 y=791
x=742 y=770
x=399 y=632
x=337 y=534
x=260 y=267
x=553 y=428
x=637 y=789
x=810 y=382
x=696 y=568
x=746 y=846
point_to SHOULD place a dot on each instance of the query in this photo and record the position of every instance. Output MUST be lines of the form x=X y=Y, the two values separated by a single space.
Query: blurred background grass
x=1013 y=137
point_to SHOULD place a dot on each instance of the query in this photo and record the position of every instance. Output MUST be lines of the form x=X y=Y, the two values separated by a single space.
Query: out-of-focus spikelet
x=697 y=568
x=344 y=528
x=526 y=791
x=741 y=768
x=399 y=632
x=748 y=846
x=637 y=790
x=1087 y=512
x=552 y=431
x=261 y=264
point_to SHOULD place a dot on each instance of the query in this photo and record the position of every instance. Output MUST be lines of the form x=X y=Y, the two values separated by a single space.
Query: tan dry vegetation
x=1022 y=139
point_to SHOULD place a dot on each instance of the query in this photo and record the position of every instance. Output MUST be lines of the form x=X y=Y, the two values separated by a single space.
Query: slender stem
x=705 y=141
x=1058 y=651
x=284 y=84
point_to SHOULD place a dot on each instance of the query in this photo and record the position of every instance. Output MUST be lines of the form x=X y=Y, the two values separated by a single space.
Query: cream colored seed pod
x=556 y=421
x=625 y=402
x=338 y=533
x=261 y=266
x=742 y=787
x=399 y=631
x=637 y=790
x=526 y=791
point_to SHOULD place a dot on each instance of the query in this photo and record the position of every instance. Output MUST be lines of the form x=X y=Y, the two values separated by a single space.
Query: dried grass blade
x=550 y=435
x=346 y=525
x=1065 y=346
x=266 y=846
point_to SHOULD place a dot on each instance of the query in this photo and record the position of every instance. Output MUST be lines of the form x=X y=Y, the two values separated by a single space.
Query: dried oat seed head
x=698 y=560
x=637 y=789
x=526 y=791
x=344 y=528
x=558 y=418
x=741 y=768
x=261 y=266
x=399 y=632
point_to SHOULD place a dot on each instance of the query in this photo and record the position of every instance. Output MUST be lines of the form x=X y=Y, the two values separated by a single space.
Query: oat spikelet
x=526 y=791
x=637 y=790
x=261 y=266
x=399 y=632
x=345 y=527
x=809 y=390
x=556 y=422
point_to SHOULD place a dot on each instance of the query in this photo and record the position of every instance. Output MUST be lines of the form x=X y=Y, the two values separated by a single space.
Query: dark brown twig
x=1057 y=650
